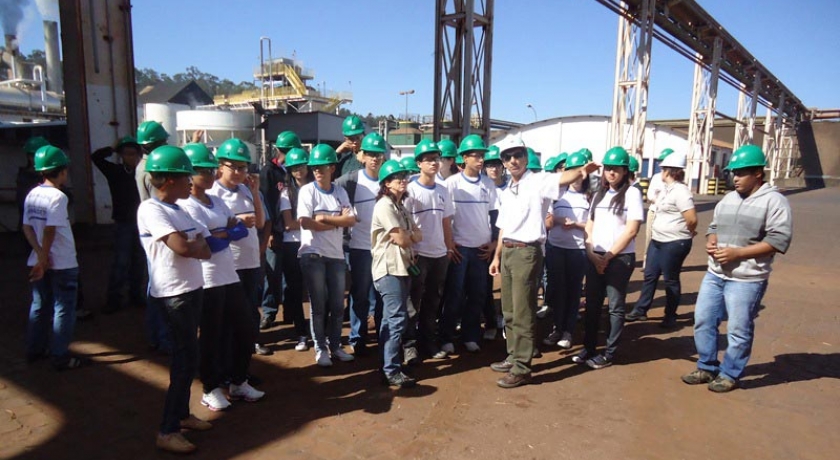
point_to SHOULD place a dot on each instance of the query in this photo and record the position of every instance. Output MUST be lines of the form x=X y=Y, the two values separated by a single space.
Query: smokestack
x=55 y=82
x=12 y=57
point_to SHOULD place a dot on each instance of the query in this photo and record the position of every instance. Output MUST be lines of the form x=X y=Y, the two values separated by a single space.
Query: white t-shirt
x=169 y=273
x=219 y=270
x=575 y=206
x=522 y=216
x=428 y=206
x=46 y=206
x=608 y=226
x=365 y=198
x=313 y=201
x=474 y=198
x=655 y=189
x=669 y=223
x=246 y=252
x=284 y=204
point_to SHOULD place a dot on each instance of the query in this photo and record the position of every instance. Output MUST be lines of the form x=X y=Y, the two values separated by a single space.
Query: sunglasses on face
x=518 y=155
x=613 y=168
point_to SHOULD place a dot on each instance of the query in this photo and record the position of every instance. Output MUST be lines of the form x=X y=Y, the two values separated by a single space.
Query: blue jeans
x=664 y=259
x=718 y=300
x=53 y=304
x=394 y=291
x=566 y=269
x=128 y=267
x=612 y=283
x=361 y=288
x=324 y=279
x=182 y=314
x=273 y=289
x=466 y=295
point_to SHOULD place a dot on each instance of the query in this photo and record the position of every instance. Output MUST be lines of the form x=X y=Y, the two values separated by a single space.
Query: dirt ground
x=636 y=409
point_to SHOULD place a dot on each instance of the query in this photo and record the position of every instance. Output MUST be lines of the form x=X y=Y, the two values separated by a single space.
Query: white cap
x=674 y=160
x=510 y=142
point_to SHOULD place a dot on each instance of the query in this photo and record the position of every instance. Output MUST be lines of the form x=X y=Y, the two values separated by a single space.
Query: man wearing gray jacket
x=749 y=227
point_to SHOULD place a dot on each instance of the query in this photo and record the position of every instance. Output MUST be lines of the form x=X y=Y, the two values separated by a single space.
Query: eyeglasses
x=492 y=164
x=613 y=168
x=518 y=155
x=473 y=155
x=399 y=176
x=429 y=159
x=238 y=169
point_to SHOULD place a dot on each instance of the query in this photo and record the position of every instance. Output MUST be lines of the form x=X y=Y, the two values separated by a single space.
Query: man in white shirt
x=474 y=196
x=519 y=256
x=655 y=188
x=431 y=207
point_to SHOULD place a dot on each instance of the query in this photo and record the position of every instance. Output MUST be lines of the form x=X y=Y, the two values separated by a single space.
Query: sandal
x=72 y=362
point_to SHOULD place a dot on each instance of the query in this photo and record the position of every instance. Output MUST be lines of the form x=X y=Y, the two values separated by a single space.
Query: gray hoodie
x=764 y=216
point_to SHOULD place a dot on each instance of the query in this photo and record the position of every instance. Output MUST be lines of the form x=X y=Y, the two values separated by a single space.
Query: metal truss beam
x=747 y=104
x=632 y=77
x=702 y=121
x=463 y=59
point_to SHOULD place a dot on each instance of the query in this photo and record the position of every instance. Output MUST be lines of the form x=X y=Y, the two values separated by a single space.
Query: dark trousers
x=566 y=269
x=424 y=307
x=182 y=314
x=273 y=286
x=129 y=267
x=612 y=284
x=466 y=293
x=225 y=312
x=293 y=294
x=664 y=259
x=252 y=284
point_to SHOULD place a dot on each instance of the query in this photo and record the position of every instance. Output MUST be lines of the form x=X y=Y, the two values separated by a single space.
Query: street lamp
x=533 y=110
x=406 y=93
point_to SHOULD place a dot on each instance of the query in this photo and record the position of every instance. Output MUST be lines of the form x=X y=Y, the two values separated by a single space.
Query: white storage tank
x=218 y=126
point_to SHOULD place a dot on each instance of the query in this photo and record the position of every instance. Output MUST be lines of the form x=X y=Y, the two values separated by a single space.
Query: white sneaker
x=245 y=391
x=543 y=311
x=302 y=344
x=342 y=355
x=215 y=400
x=322 y=358
x=552 y=338
x=448 y=348
x=472 y=347
x=565 y=341
x=490 y=334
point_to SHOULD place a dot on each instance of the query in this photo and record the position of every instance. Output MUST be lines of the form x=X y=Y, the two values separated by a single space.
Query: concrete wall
x=819 y=144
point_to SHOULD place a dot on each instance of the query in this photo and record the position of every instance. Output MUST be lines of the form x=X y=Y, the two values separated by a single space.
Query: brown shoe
x=511 y=380
x=175 y=443
x=194 y=423
x=502 y=366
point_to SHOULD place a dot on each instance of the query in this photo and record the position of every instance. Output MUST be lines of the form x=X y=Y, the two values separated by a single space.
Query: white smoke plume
x=48 y=9
x=11 y=14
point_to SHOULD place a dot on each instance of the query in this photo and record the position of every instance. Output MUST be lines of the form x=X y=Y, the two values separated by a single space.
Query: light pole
x=406 y=93
x=533 y=110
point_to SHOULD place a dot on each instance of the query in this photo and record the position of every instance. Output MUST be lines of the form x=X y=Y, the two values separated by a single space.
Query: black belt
x=511 y=244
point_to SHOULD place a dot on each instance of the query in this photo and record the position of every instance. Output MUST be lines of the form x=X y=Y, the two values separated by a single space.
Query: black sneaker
x=599 y=362
x=401 y=380
x=266 y=322
x=634 y=316
x=668 y=323
x=262 y=350
x=581 y=357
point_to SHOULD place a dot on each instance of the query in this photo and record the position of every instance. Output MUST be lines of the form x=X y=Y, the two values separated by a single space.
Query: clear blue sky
x=558 y=55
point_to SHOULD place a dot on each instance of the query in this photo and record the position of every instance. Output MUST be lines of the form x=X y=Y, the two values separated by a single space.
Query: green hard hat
x=389 y=168
x=562 y=157
x=127 y=141
x=200 y=156
x=150 y=132
x=587 y=153
x=747 y=156
x=410 y=164
x=169 y=159
x=352 y=126
x=34 y=143
x=552 y=163
x=322 y=154
x=448 y=149
x=374 y=143
x=426 y=146
x=296 y=157
x=234 y=149
x=287 y=140
x=472 y=143
x=576 y=160
x=492 y=154
x=459 y=160
x=633 y=165
x=533 y=160
x=664 y=153
x=617 y=156
x=50 y=157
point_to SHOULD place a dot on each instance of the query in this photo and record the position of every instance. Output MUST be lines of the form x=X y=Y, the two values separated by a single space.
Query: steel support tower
x=632 y=76
x=702 y=122
x=463 y=59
